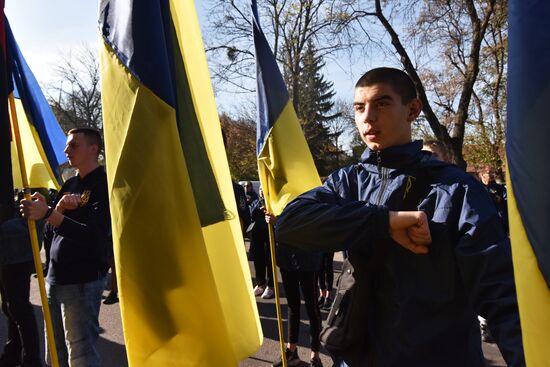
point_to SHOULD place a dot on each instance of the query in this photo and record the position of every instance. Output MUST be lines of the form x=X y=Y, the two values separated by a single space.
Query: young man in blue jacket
x=436 y=268
x=78 y=226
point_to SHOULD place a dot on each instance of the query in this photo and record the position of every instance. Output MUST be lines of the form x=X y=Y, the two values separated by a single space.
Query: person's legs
x=58 y=328
x=292 y=292
x=258 y=256
x=11 y=355
x=112 y=297
x=308 y=286
x=328 y=260
x=80 y=305
x=17 y=288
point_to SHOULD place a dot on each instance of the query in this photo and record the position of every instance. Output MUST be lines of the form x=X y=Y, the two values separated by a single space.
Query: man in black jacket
x=425 y=293
x=78 y=224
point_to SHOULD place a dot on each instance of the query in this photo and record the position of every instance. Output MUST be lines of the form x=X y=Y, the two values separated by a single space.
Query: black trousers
x=23 y=344
x=261 y=256
x=326 y=274
x=292 y=282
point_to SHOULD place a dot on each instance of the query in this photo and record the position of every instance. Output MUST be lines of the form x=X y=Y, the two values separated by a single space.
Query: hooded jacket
x=423 y=309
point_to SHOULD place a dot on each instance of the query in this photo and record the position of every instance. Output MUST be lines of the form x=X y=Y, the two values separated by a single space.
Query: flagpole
x=33 y=235
x=275 y=282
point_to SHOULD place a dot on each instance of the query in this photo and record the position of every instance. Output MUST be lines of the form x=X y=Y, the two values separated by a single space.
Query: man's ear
x=95 y=149
x=415 y=107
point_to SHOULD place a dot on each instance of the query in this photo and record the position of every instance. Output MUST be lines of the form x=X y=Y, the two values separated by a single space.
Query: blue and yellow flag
x=42 y=139
x=183 y=276
x=527 y=137
x=285 y=164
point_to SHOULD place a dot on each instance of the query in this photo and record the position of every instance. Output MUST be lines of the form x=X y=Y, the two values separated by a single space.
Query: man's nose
x=370 y=113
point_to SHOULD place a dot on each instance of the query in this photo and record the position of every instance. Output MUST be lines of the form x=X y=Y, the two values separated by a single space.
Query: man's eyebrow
x=358 y=103
x=383 y=97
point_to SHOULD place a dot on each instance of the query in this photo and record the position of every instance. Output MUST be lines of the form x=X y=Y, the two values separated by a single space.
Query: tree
x=452 y=29
x=486 y=143
x=288 y=24
x=240 y=146
x=76 y=96
x=315 y=109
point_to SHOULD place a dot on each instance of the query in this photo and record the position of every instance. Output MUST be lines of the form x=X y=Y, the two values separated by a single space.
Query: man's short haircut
x=397 y=79
x=91 y=135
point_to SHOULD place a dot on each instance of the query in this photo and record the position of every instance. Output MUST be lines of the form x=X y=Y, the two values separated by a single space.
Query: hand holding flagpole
x=33 y=236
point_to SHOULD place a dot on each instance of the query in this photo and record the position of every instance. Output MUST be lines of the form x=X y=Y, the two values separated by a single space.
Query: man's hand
x=410 y=230
x=270 y=218
x=68 y=202
x=34 y=209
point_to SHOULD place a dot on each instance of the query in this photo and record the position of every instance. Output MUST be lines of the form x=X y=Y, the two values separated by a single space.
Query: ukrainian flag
x=42 y=139
x=527 y=137
x=183 y=276
x=285 y=164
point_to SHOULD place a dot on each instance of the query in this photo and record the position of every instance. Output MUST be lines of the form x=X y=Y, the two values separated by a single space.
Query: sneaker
x=327 y=304
x=315 y=362
x=268 y=293
x=112 y=298
x=320 y=301
x=292 y=359
x=259 y=290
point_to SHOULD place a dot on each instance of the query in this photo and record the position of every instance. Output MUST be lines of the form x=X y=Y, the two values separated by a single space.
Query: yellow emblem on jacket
x=85 y=197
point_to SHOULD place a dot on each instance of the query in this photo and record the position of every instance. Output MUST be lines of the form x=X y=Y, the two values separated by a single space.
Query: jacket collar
x=394 y=157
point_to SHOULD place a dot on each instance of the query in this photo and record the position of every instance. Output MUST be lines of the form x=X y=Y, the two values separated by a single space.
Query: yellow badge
x=410 y=181
x=85 y=197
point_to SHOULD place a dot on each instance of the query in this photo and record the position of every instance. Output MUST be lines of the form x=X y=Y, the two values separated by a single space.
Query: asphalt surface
x=113 y=352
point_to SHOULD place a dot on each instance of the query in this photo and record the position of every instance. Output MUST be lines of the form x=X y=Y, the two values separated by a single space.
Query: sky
x=46 y=30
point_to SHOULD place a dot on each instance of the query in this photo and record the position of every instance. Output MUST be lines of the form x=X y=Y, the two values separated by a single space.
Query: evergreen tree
x=312 y=96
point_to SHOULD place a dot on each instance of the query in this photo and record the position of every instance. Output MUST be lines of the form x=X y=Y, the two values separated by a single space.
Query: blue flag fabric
x=528 y=130
x=48 y=136
x=527 y=136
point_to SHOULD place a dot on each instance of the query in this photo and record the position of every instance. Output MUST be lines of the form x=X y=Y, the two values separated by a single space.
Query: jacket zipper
x=384 y=175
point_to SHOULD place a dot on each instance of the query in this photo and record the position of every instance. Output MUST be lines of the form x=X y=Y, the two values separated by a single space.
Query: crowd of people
x=429 y=241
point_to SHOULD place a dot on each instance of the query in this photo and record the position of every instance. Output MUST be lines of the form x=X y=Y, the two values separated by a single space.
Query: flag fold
x=527 y=136
x=285 y=165
x=184 y=282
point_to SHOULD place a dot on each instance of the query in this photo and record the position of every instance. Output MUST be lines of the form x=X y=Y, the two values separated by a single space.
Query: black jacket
x=424 y=307
x=78 y=249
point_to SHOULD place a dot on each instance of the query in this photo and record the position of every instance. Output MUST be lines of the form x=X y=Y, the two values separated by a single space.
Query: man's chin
x=374 y=146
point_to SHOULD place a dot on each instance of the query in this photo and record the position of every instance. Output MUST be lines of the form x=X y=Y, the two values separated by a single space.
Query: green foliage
x=312 y=96
x=240 y=147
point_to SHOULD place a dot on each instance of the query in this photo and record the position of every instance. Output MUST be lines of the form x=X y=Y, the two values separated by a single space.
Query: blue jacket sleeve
x=321 y=219
x=485 y=264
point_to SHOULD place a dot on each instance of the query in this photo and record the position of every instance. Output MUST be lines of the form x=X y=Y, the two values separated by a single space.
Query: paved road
x=113 y=352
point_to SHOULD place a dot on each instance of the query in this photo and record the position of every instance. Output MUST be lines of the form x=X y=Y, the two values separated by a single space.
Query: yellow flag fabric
x=184 y=282
x=527 y=136
x=42 y=139
x=285 y=165
x=532 y=290
x=39 y=172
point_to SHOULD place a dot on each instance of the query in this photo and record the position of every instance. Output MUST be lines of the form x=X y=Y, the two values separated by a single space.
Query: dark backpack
x=345 y=334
